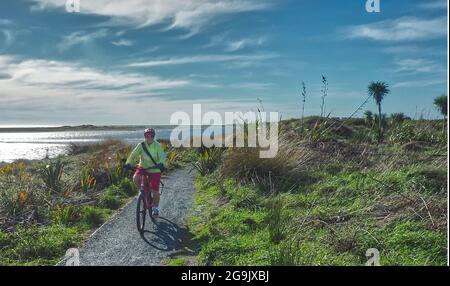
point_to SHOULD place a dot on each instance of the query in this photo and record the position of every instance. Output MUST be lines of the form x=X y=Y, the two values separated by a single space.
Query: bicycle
x=144 y=201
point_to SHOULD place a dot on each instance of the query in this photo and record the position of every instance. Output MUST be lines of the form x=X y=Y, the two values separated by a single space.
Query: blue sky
x=138 y=61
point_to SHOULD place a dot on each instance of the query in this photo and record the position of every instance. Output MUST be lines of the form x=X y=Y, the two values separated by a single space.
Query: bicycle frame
x=145 y=190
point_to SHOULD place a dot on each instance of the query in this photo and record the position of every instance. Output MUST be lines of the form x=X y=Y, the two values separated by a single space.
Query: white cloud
x=416 y=65
x=123 y=43
x=402 y=29
x=191 y=15
x=203 y=59
x=37 y=77
x=78 y=38
x=234 y=45
x=243 y=43
x=56 y=92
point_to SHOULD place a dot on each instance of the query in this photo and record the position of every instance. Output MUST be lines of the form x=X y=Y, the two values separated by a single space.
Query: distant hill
x=85 y=127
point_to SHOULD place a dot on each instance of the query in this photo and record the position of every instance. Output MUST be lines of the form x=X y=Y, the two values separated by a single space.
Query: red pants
x=154 y=179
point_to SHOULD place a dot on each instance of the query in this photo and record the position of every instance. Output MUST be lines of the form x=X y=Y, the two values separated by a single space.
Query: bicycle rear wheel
x=140 y=213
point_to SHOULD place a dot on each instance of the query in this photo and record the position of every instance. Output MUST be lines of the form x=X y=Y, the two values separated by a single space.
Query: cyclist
x=153 y=165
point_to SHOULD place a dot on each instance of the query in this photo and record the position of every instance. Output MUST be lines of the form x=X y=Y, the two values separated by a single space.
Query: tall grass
x=275 y=221
x=271 y=174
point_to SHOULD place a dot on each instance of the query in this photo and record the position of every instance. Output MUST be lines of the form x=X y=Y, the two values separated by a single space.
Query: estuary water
x=39 y=145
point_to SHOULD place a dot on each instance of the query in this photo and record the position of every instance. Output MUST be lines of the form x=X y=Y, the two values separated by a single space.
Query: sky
x=139 y=61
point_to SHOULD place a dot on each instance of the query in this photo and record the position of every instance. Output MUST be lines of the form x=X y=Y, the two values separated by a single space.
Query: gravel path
x=118 y=241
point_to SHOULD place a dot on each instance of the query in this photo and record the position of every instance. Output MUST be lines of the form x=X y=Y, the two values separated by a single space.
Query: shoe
x=155 y=212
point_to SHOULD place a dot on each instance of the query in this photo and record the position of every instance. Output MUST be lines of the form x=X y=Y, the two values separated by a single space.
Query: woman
x=146 y=164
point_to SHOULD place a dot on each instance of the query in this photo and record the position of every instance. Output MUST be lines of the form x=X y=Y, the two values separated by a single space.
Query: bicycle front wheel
x=140 y=213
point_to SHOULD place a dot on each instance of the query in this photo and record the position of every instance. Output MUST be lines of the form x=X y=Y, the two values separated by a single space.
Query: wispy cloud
x=434 y=5
x=217 y=40
x=232 y=45
x=5 y=22
x=64 y=92
x=191 y=15
x=123 y=43
x=203 y=59
x=419 y=83
x=417 y=65
x=244 y=43
x=402 y=29
x=252 y=85
x=78 y=38
x=33 y=77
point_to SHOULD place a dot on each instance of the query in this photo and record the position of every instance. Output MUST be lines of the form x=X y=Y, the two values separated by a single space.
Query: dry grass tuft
x=273 y=174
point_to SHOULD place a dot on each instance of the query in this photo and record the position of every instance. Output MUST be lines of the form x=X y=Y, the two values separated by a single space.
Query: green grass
x=329 y=220
x=37 y=245
x=177 y=262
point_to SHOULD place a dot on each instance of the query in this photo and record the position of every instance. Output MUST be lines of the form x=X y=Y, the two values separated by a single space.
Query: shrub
x=128 y=186
x=397 y=118
x=117 y=172
x=208 y=159
x=87 y=180
x=94 y=216
x=410 y=131
x=66 y=215
x=51 y=175
x=115 y=190
x=110 y=201
x=12 y=201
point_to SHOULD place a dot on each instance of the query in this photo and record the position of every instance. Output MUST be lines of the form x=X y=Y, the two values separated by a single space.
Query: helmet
x=149 y=132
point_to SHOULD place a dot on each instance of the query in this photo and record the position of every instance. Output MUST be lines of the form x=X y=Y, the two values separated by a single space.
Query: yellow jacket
x=145 y=162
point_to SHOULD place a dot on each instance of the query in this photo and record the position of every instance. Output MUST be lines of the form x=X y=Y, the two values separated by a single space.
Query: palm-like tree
x=378 y=90
x=441 y=104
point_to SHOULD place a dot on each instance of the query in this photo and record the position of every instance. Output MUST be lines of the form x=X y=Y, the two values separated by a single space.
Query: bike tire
x=140 y=213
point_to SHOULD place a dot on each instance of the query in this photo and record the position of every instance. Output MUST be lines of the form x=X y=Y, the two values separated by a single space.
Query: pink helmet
x=149 y=132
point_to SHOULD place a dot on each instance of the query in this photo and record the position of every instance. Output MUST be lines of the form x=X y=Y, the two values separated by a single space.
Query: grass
x=177 y=262
x=345 y=198
x=37 y=245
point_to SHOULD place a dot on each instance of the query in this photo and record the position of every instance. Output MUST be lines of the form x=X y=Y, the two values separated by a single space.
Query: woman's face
x=149 y=139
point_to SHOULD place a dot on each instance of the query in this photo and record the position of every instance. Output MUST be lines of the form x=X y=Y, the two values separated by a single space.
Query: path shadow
x=166 y=235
